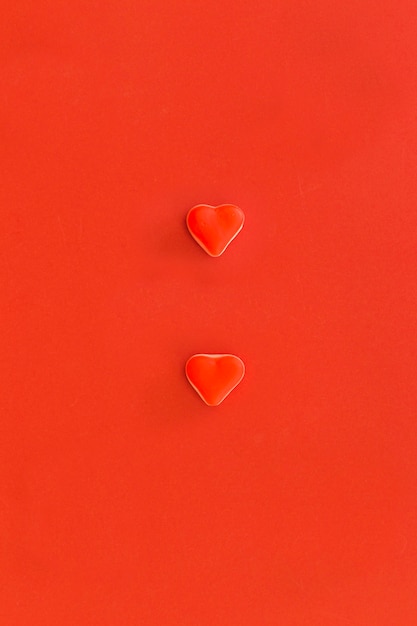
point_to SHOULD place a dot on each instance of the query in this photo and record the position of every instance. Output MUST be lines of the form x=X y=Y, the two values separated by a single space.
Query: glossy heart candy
x=214 y=228
x=214 y=376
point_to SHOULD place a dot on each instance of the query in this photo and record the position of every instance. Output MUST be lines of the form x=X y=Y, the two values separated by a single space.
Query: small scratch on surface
x=300 y=186
x=337 y=616
x=403 y=547
x=302 y=190
x=61 y=228
x=80 y=229
x=6 y=262
x=303 y=295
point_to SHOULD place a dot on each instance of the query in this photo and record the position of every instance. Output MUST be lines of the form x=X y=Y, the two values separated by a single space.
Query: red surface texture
x=124 y=500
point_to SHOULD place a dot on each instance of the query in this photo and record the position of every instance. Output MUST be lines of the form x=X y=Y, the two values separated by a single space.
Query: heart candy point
x=214 y=376
x=215 y=227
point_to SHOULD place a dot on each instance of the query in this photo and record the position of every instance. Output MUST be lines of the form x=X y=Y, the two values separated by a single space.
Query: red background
x=124 y=499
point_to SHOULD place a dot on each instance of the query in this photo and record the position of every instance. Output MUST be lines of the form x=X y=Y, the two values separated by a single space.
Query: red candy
x=214 y=376
x=214 y=228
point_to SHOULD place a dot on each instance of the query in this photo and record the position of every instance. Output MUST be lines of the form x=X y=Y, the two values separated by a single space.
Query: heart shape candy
x=214 y=376
x=215 y=227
